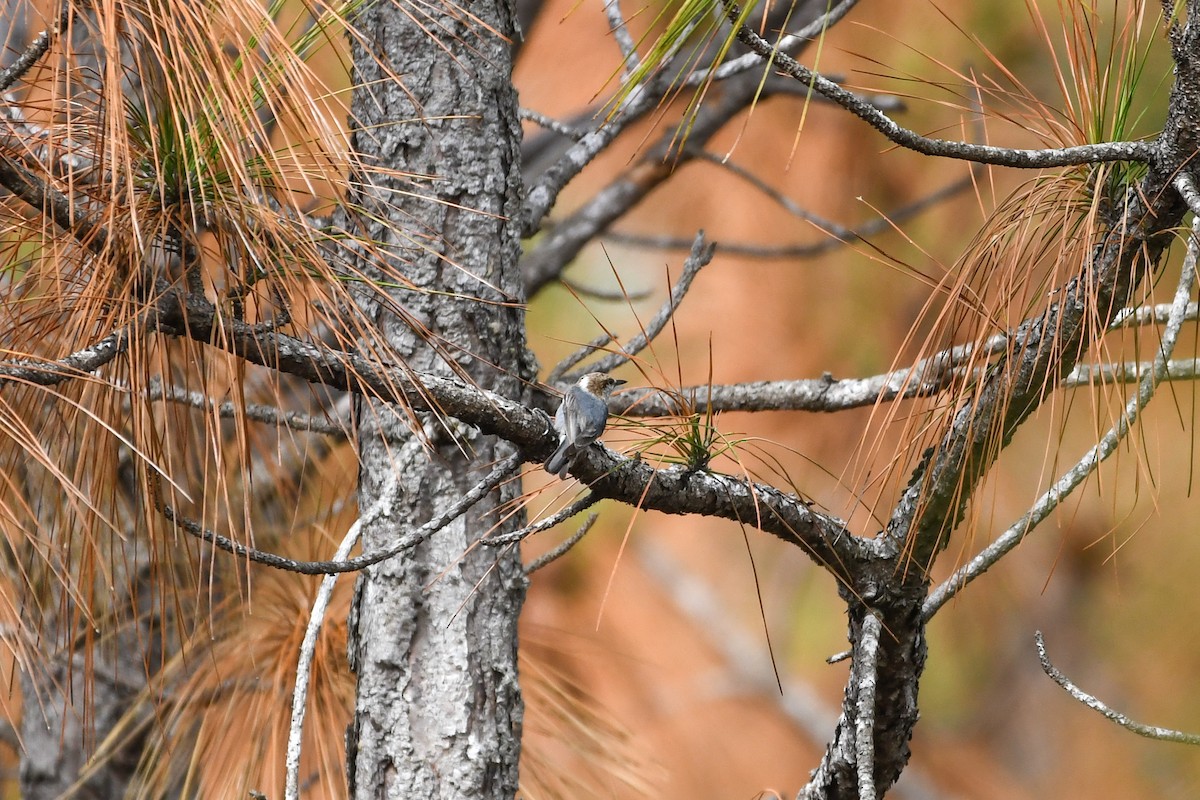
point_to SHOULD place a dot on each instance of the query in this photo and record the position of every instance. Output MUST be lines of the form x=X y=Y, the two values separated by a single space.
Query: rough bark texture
x=434 y=633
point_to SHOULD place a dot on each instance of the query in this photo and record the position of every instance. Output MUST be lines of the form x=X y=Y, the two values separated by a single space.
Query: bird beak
x=619 y=382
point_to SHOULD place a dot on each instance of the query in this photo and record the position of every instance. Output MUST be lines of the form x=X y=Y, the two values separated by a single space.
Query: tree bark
x=433 y=634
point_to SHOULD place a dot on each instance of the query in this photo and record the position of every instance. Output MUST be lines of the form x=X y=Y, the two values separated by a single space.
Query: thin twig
x=615 y=295
x=779 y=198
x=700 y=257
x=1091 y=460
x=575 y=357
x=550 y=124
x=266 y=414
x=750 y=60
x=1091 y=701
x=944 y=148
x=562 y=549
x=382 y=507
x=839 y=237
x=582 y=504
x=410 y=540
x=630 y=60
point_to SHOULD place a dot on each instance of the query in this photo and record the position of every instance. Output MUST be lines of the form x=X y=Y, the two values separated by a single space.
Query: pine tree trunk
x=434 y=632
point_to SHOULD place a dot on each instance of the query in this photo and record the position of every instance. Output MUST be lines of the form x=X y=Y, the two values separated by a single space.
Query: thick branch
x=673 y=491
x=1046 y=349
x=1107 y=445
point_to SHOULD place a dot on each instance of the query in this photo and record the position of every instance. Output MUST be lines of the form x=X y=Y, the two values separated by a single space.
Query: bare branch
x=789 y=205
x=563 y=242
x=1091 y=701
x=673 y=491
x=1091 y=460
x=825 y=394
x=382 y=507
x=543 y=194
x=76 y=365
x=550 y=124
x=866 y=677
x=266 y=414
x=630 y=60
x=699 y=258
x=1186 y=369
x=603 y=293
x=786 y=44
x=839 y=234
x=578 y=355
x=564 y=548
x=944 y=148
x=582 y=504
x=644 y=98
x=67 y=214
x=36 y=49
x=410 y=540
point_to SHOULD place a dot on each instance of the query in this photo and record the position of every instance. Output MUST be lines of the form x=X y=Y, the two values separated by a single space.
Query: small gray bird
x=580 y=419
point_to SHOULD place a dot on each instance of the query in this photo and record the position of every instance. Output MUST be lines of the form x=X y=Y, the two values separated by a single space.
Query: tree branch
x=1107 y=445
x=672 y=491
x=630 y=60
x=383 y=506
x=562 y=549
x=700 y=257
x=36 y=49
x=562 y=244
x=1043 y=350
x=747 y=61
x=554 y=251
x=864 y=724
x=410 y=540
x=1091 y=701
x=266 y=414
x=512 y=537
x=944 y=148
x=76 y=365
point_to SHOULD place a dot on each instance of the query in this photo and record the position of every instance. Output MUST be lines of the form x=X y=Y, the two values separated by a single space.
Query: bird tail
x=561 y=460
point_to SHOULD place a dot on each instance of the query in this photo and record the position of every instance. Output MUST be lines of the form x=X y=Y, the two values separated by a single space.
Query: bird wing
x=581 y=416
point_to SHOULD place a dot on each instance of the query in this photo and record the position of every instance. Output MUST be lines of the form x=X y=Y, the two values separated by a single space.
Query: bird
x=580 y=419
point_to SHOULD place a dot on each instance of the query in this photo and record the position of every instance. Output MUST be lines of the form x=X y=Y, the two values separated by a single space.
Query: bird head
x=599 y=384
